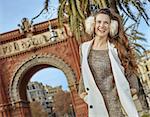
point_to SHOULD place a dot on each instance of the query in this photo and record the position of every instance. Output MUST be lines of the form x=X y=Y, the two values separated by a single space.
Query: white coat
x=94 y=98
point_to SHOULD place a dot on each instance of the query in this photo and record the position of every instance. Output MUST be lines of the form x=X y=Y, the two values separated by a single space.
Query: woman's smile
x=101 y=30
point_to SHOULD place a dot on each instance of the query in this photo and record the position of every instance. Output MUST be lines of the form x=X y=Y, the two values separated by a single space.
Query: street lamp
x=53 y=33
x=93 y=8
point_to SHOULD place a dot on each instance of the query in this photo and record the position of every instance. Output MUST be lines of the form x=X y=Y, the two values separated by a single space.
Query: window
x=33 y=87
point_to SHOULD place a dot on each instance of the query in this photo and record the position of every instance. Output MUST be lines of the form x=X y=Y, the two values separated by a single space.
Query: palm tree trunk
x=113 y=6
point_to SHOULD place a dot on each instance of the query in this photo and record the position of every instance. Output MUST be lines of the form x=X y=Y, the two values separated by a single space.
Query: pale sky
x=51 y=76
x=11 y=13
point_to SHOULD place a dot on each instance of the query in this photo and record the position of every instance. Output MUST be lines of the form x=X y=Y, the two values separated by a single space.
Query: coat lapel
x=95 y=97
x=122 y=83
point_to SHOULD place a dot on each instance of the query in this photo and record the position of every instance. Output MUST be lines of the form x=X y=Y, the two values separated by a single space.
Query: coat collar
x=88 y=45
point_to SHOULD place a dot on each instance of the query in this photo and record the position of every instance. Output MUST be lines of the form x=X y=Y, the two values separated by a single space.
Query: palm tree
x=75 y=11
x=134 y=35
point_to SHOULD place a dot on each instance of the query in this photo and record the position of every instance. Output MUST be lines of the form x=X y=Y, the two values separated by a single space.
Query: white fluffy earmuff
x=113 y=28
x=89 y=25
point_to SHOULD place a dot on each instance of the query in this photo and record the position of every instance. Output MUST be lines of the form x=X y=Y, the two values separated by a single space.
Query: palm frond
x=73 y=7
x=129 y=27
x=78 y=4
x=130 y=14
x=104 y=3
x=107 y=3
x=137 y=33
x=68 y=9
x=141 y=10
x=84 y=4
x=139 y=38
x=38 y=15
x=121 y=6
x=125 y=19
x=139 y=53
x=70 y=23
x=78 y=32
x=138 y=46
x=46 y=4
x=61 y=12
x=99 y=2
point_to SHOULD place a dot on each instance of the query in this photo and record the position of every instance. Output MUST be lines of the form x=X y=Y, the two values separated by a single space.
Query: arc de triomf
x=22 y=54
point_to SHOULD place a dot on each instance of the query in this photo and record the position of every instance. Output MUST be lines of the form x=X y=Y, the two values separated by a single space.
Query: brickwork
x=18 y=68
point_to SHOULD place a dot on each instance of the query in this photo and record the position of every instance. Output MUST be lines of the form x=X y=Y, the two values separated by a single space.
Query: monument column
x=4 y=105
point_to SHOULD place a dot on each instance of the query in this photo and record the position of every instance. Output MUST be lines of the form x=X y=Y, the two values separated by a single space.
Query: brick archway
x=22 y=54
x=39 y=62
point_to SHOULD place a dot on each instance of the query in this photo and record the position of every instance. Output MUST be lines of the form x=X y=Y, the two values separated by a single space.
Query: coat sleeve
x=81 y=88
x=133 y=81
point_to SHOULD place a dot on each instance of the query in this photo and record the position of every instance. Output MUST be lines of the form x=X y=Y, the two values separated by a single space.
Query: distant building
x=144 y=73
x=44 y=94
x=51 y=91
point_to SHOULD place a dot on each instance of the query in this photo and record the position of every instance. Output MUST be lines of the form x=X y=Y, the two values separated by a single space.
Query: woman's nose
x=101 y=24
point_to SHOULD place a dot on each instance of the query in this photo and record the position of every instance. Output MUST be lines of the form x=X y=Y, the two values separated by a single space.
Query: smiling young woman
x=108 y=68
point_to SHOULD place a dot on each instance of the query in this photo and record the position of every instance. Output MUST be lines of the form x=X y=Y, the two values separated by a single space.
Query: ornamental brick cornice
x=38 y=28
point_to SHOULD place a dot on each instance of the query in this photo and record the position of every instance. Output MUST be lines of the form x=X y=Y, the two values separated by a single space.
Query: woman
x=108 y=68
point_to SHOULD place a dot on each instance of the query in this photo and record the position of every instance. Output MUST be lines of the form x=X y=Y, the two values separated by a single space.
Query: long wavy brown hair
x=121 y=42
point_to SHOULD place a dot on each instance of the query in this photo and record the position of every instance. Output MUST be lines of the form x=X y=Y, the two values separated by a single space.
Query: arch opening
x=27 y=69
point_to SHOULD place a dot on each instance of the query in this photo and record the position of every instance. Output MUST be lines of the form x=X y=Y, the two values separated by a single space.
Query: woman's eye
x=99 y=21
x=105 y=22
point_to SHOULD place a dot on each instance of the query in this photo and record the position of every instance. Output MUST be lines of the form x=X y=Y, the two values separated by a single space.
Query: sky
x=51 y=76
x=11 y=13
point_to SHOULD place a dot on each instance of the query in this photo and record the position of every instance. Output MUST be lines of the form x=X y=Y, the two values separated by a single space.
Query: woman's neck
x=100 y=43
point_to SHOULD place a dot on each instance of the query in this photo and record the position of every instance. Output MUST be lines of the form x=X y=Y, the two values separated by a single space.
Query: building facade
x=51 y=91
x=36 y=92
x=144 y=73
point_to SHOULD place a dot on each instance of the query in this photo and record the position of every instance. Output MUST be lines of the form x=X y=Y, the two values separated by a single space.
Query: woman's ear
x=114 y=28
x=89 y=25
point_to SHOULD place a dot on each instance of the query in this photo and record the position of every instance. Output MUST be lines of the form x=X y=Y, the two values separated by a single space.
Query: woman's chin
x=102 y=35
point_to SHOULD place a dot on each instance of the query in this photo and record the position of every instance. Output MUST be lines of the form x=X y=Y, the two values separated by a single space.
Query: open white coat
x=94 y=99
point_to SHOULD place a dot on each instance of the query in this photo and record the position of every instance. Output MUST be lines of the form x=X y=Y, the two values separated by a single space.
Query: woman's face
x=102 y=25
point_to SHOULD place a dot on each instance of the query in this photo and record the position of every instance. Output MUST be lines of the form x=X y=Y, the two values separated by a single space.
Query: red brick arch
x=19 y=64
x=30 y=67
